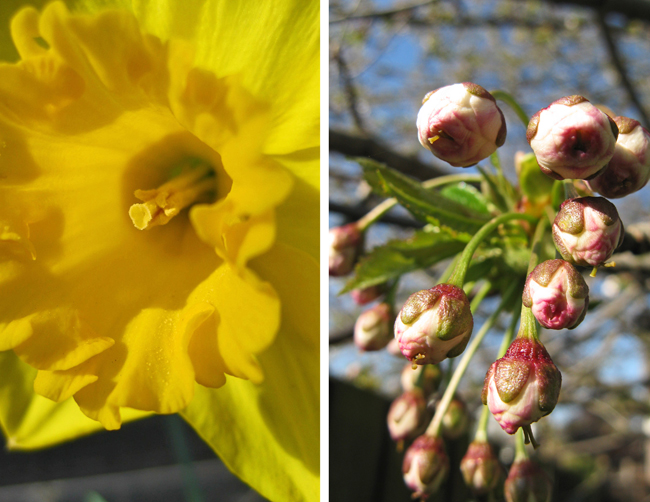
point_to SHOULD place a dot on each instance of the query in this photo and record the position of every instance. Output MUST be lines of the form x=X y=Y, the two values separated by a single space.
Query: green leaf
x=468 y=196
x=397 y=257
x=426 y=205
x=534 y=183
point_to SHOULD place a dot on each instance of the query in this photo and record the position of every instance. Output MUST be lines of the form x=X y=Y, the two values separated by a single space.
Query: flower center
x=194 y=183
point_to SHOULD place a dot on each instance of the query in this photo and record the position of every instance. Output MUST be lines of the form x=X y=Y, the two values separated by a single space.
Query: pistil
x=194 y=184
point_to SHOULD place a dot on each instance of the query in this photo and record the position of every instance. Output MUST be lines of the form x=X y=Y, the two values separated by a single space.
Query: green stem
x=570 y=191
x=434 y=427
x=380 y=210
x=458 y=277
x=481 y=431
x=520 y=447
x=510 y=101
x=536 y=245
x=510 y=332
x=449 y=270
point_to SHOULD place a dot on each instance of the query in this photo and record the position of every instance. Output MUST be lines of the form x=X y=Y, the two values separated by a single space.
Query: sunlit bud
x=345 y=246
x=629 y=169
x=369 y=294
x=426 y=377
x=557 y=294
x=455 y=421
x=481 y=469
x=572 y=139
x=425 y=466
x=408 y=415
x=461 y=124
x=372 y=331
x=523 y=386
x=527 y=482
x=434 y=324
x=587 y=231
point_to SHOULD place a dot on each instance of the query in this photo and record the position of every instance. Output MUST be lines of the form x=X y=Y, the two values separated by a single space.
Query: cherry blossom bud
x=481 y=469
x=434 y=324
x=369 y=294
x=408 y=415
x=461 y=124
x=587 y=231
x=425 y=466
x=572 y=139
x=557 y=294
x=346 y=243
x=372 y=329
x=455 y=421
x=527 y=482
x=629 y=169
x=523 y=386
x=426 y=377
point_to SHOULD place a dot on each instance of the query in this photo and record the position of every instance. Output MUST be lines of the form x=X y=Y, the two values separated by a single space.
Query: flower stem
x=481 y=431
x=458 y=277
x=510 y=332
x=380 y=210
x=510 y=101
x=434 y=427
x=520 y=446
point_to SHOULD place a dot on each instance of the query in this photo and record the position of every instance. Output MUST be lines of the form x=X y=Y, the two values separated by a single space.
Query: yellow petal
x=273 y=428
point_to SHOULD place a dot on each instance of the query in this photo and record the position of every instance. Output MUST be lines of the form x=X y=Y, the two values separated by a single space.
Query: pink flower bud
x=408 y=415
x=461 y=124
x=346 y=243
x=481 y=469
x=434 y=324
x=527 y=482
x=629 y=169
x=372 y=329
x=587 y=231
x=369 y=294
x=523 y=386
x=455 y=421
x=425 y=466
x=557 y=294
x=572 y=139
x=413 y=378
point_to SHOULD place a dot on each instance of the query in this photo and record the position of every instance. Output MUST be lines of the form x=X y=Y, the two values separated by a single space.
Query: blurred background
x=385 y=55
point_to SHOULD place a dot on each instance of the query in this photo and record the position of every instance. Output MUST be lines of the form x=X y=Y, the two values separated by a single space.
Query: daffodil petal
x=273 y=428
x=30 y=421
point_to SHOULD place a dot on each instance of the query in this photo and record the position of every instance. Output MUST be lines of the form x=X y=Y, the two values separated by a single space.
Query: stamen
x=194 y=184
x=528 y=436
x=433 y=139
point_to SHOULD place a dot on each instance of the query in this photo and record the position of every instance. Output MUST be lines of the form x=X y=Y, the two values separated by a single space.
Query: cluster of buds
x=587 y=231
x=461 y=124
x=523 y=386
x=345 y=245
x=434 y=324
x=408 y=415
x=557 y=294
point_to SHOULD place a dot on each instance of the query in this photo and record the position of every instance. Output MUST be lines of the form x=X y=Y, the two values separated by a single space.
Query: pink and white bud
x=455 y=421
x=434 y=324
x=523 y=386
x=629 y=169
x=426 y=377
x=372 y=331
x=345 y=245
x=572 y=139
x=527 y=482
x=587 y=231
x=408 y=416
x=481 y=468
x=425 y=466
x=557 y=294
x=461 y=124
x=369 y=294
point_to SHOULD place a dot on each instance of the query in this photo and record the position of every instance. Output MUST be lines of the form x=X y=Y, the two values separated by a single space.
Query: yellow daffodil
x=159 y=227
